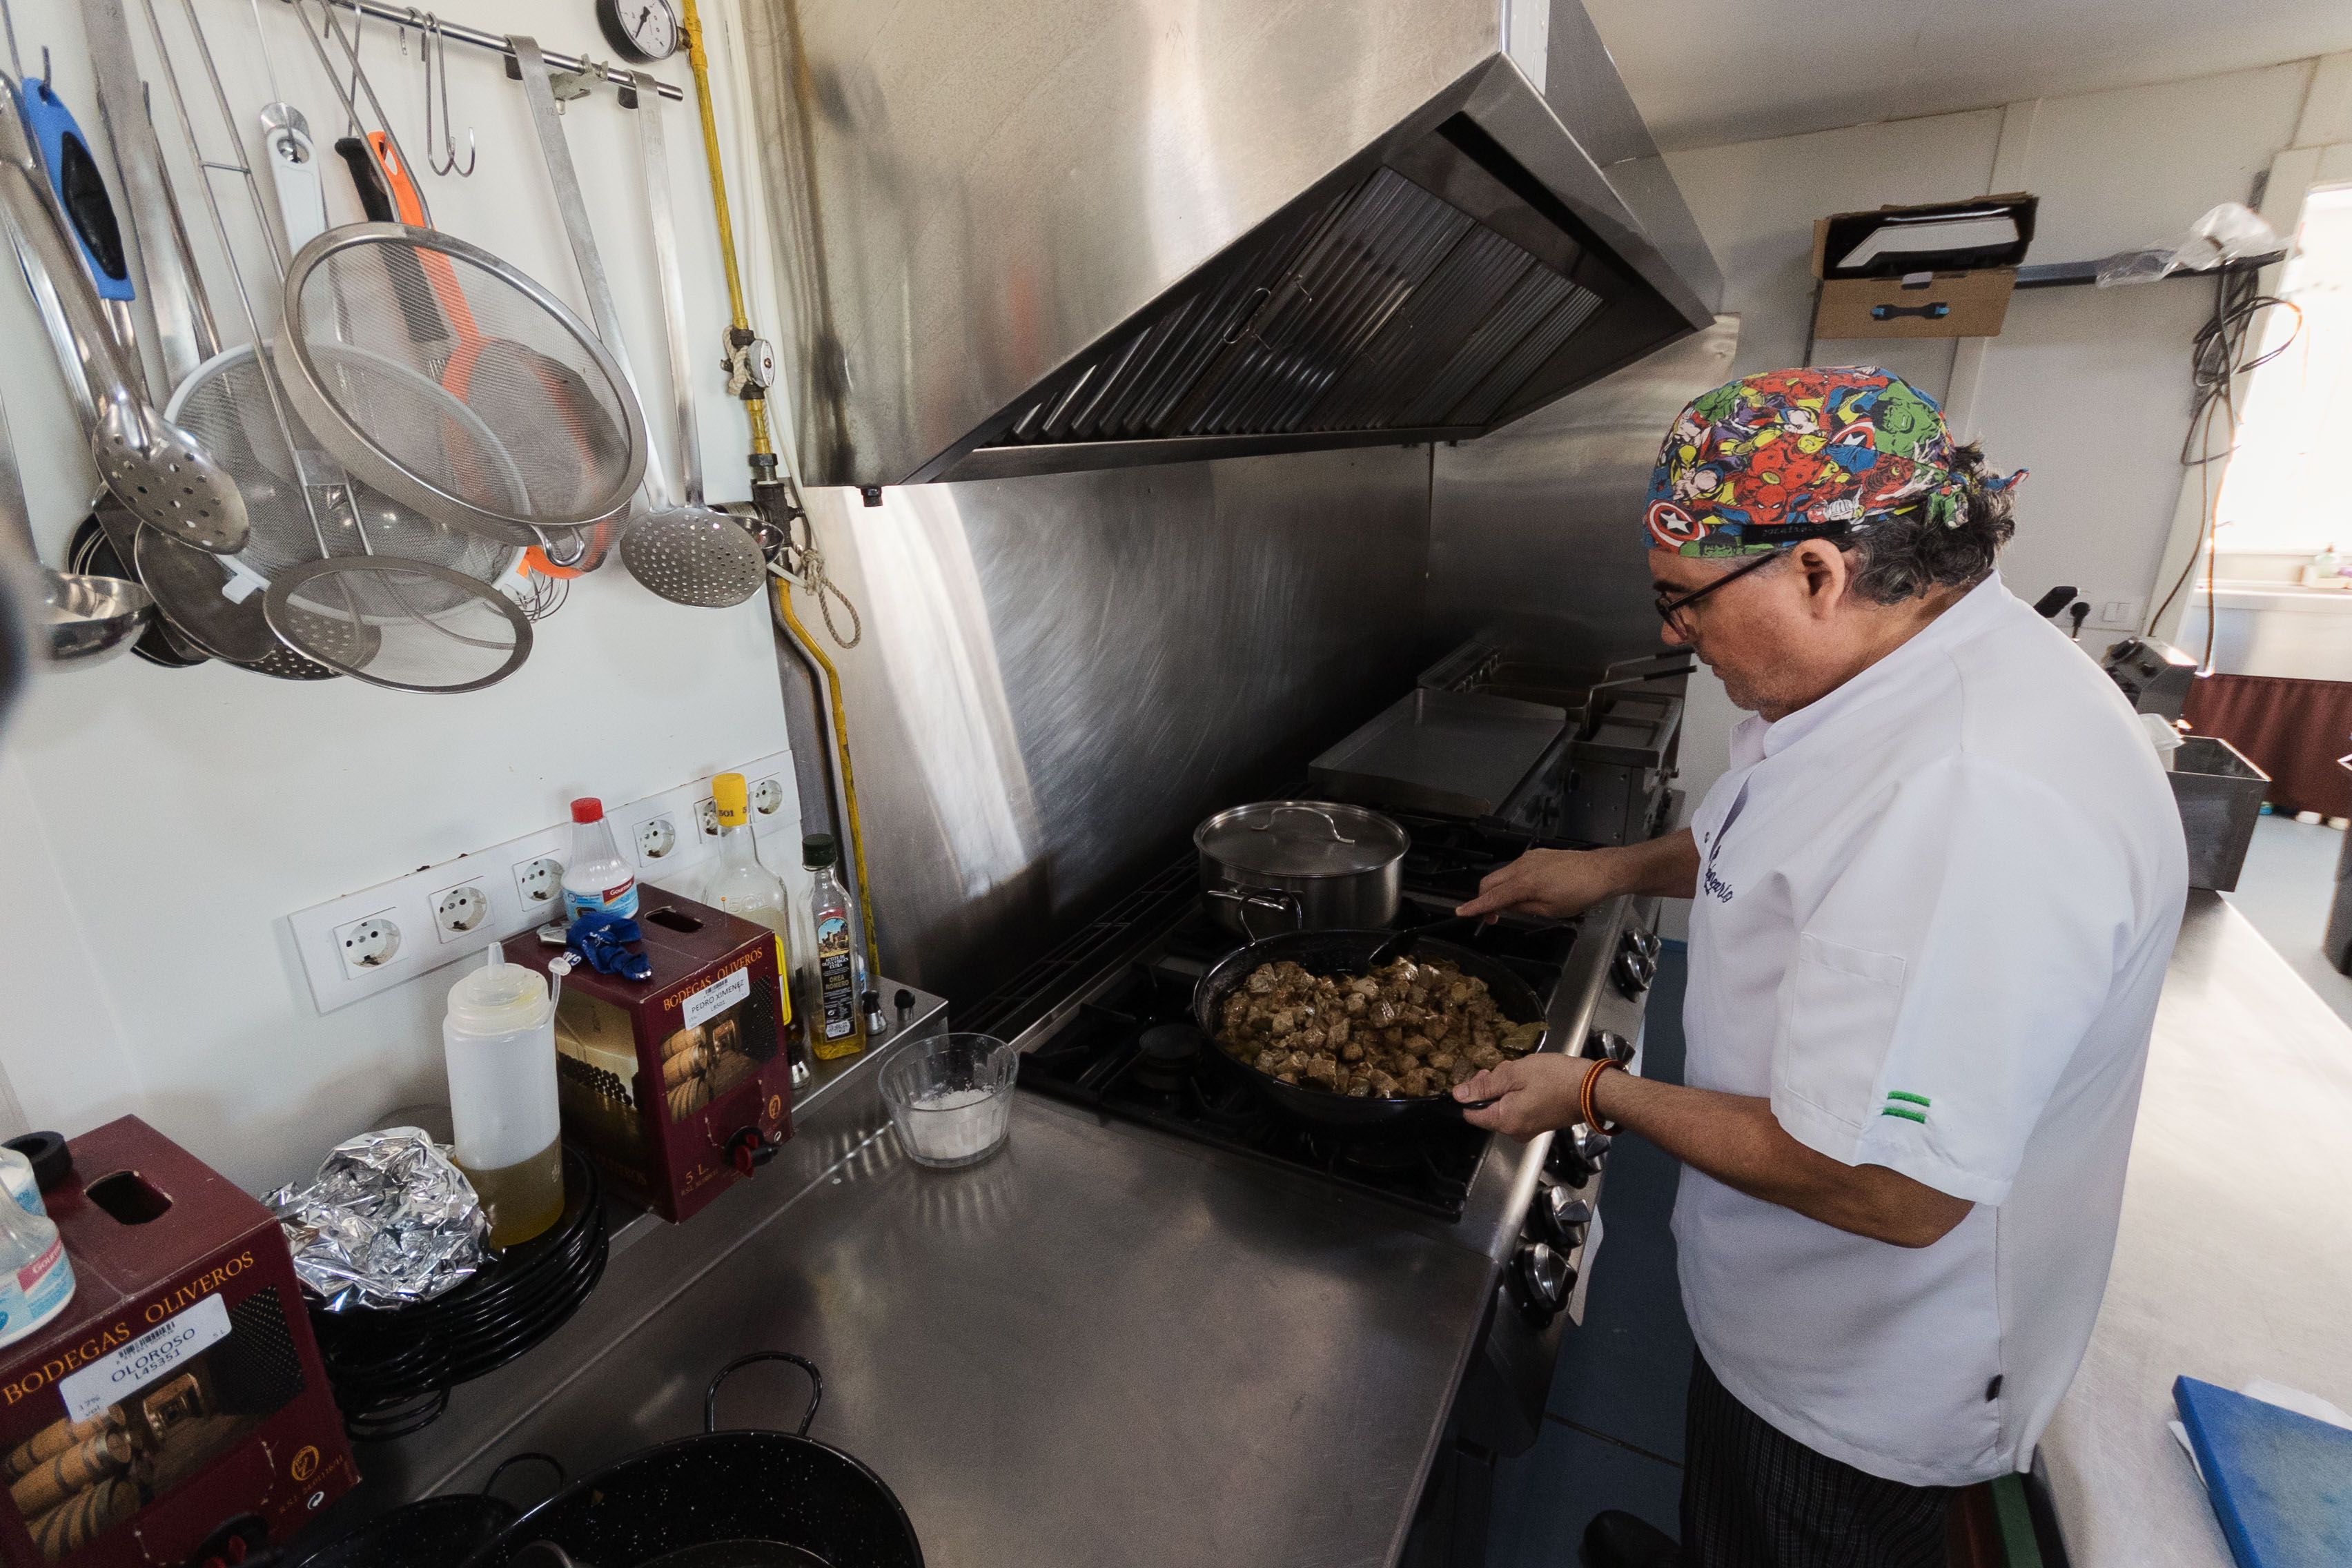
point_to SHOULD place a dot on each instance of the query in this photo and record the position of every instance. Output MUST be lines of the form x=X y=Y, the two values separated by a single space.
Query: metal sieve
x=367 y=616
x=457 y=386
x=226 y=406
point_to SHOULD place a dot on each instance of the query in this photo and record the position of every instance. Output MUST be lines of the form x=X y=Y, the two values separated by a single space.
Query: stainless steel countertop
x=1103 y=1345
x=2234 y=1260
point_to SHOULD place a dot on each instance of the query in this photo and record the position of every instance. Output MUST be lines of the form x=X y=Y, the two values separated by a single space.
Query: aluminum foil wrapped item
x=390 y=1222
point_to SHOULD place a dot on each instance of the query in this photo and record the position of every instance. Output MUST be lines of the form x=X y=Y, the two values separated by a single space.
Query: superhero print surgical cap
x=1789 y=455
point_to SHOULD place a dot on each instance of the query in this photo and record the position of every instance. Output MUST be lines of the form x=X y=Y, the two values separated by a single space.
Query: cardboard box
x=176 y=1411
x=675 y=1085
x=1922 y=305
x=1884 y=298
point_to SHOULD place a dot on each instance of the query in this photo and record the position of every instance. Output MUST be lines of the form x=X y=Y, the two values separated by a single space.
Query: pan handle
x=1269 y=901
x=816 y=1386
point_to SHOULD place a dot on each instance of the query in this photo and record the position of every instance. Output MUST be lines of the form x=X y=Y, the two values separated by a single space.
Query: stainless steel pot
x=1300 y=865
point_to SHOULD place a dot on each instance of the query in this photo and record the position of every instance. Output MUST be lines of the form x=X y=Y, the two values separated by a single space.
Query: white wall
x=161 y=824
x=2087 y=388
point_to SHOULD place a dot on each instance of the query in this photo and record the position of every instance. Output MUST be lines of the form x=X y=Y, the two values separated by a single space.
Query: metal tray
x=1454 y=754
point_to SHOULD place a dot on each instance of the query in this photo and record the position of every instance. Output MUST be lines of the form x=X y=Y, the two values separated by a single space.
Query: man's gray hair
x=1907 y=554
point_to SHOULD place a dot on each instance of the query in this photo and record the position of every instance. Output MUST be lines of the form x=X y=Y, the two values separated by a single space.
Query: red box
x=178 y=1404
x=676 y=1085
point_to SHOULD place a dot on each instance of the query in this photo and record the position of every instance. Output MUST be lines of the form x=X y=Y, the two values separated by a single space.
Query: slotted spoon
x=155 y=468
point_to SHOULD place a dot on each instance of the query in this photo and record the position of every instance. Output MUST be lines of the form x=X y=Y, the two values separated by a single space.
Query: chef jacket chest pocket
x=1842 y=1003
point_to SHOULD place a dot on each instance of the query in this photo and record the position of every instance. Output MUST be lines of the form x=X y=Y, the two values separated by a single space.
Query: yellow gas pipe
x=764 y=463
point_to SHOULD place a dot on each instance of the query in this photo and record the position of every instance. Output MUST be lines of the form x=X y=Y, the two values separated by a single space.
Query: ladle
x=87 y=619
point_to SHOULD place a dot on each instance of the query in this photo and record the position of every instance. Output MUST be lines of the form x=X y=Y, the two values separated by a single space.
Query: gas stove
x=1104 y=1021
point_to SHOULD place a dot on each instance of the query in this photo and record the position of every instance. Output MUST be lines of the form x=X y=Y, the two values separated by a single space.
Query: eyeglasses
x=1670 y=608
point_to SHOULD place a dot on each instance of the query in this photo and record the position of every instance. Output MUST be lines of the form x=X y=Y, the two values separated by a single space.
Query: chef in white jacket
x=1933 y=899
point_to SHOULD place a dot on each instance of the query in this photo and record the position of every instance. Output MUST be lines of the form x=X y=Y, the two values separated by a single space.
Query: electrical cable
x=2217 y=359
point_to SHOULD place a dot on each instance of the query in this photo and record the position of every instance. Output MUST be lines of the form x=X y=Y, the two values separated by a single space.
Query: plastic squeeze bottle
x=595 y=876
x=499 y=1040
x=36 y=1280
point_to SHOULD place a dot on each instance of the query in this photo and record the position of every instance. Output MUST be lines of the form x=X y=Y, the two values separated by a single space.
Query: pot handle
x=1272 y=900
x=816 y=1386
x=1328 y=821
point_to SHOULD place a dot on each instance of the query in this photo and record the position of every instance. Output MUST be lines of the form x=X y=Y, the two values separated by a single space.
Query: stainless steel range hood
x=1033 y=236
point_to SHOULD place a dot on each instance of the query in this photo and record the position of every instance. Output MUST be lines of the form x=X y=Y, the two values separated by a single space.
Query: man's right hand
x=1557 y=883
x=1554 y=883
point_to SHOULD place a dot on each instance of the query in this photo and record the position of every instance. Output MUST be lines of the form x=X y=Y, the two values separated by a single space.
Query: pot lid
x=1301 y=838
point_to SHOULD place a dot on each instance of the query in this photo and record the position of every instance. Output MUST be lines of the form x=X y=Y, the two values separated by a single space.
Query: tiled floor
x=1614 y=1438
x=2284 y=888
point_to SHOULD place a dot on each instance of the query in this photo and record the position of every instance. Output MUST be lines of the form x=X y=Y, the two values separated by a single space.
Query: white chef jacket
x=1934 y=916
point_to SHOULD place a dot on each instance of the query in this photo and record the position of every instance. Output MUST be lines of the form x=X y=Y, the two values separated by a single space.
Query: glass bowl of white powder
x=950 y=1097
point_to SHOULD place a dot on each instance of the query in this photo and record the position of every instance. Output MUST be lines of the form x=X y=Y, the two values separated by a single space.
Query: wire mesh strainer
x=454 y=384
x=226 y=406
x=366 y=616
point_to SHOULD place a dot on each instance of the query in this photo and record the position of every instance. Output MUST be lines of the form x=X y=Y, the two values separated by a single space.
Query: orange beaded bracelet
x=1593 y=1076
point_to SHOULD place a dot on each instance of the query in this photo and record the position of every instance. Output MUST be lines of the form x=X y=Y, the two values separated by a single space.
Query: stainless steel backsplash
x=1059 y=676
x=1535 y=531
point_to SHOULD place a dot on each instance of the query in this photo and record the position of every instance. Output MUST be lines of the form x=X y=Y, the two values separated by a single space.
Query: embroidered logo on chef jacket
x=1909 y=1107
x=1715 y=887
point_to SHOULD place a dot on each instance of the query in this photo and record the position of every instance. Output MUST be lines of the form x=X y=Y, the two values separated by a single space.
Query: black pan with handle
x=744 y=1499
x=1347 y=953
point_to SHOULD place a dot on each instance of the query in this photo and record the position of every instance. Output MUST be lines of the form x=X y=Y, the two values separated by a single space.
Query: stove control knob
x=1567 y=1161
x=1593 y=1147
x=1608 y=1042
x=1644 y=942
x=1541 y=1280
x=1632 y=972
x=1559 y=1219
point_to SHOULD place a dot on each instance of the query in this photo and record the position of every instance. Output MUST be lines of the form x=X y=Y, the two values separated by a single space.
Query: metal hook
x=435 y=50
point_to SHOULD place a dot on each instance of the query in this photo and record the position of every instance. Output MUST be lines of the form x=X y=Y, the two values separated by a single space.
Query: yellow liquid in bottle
x=522 y=1199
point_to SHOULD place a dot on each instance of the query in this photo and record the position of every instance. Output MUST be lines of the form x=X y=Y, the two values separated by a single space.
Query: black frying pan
x=720 y=1500
x=1345 y=952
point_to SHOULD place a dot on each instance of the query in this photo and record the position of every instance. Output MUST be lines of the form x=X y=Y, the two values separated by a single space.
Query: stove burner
x=1165 y=1056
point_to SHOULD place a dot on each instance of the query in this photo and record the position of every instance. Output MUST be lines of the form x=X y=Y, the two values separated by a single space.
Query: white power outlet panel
x=369 y=941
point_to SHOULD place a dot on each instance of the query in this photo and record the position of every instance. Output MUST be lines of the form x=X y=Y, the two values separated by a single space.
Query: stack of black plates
x=393 y=1370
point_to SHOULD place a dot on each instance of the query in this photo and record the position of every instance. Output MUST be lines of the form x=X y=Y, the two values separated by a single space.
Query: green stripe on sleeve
x=1905 y=1113
x=1914 y=1099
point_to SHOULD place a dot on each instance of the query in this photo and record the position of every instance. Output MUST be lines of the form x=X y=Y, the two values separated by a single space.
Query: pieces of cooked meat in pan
x=1409 y=1030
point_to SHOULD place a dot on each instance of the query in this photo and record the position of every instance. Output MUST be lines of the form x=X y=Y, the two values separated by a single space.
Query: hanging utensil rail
x=402 y=17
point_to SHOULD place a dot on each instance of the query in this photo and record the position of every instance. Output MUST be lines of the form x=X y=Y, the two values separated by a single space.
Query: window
x=2286 y=488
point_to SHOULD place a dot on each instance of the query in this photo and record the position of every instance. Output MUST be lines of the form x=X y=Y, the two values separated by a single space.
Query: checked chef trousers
x=1753 y=1497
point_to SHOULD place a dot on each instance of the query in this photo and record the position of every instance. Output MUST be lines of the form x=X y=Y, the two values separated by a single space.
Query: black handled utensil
x=408 y=285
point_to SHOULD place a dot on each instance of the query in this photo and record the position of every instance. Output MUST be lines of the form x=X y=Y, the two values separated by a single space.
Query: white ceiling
x=1710 y=71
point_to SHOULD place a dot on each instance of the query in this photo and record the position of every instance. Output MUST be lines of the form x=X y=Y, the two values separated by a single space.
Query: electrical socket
x=656 y=840
x=706 y=817
x=767 y=795
x=368 y=942
x=459 y=911
x=539 y=886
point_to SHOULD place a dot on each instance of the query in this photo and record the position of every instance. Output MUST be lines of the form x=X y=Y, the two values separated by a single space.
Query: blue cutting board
x=2281 y=1482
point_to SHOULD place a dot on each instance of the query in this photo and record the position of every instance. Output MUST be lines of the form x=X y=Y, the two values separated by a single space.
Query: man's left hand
x=1534 y=1094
